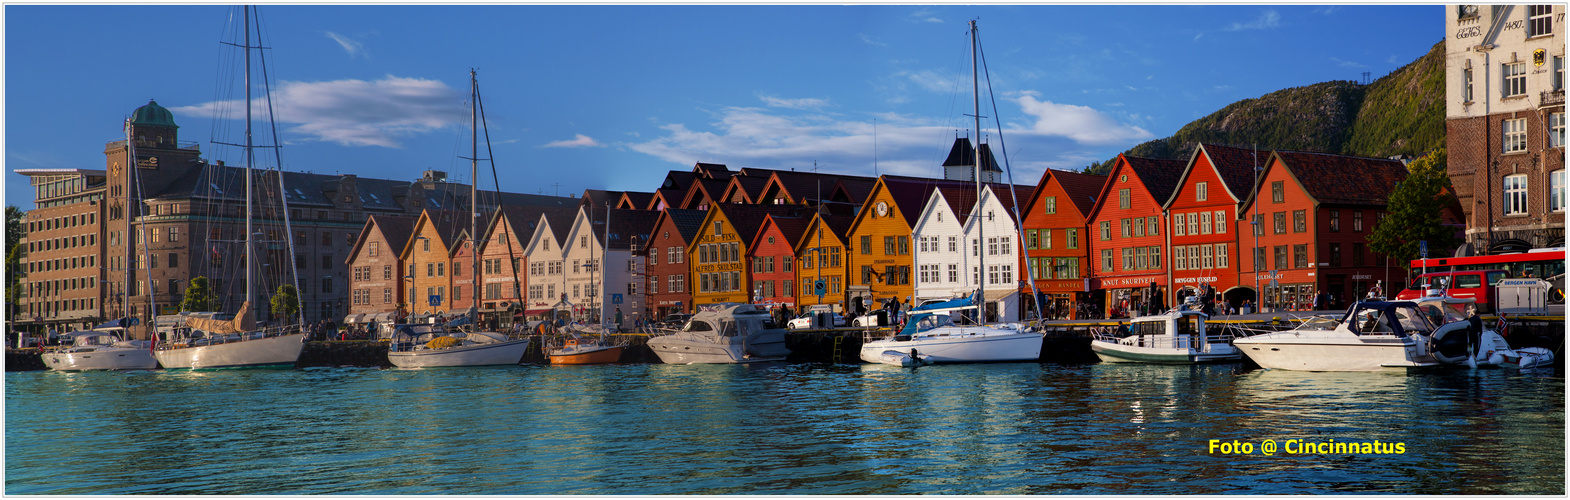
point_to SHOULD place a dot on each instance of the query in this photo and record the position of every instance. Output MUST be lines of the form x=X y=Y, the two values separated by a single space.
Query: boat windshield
x=1440 y=312
x=924 y=322
x=1412 y=320
x=1373 y=322
x=754 y=324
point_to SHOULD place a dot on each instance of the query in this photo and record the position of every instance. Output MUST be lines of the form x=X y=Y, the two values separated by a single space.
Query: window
x=1299 y=221
x=1123 y=201
x=1155 y=257
x=327 y=261
x=1281 y=257
x=441 y=268
x=1204 y=223
x=1539 y=20
x=1180 y=225
x=1335 y=255
x=953 y=273
x=1299 y=256
x=1139 y=226
x=1559 y=74
x=1180 y=258
x=457 y=293
x=430 y=269
x=1193 y=258
x=1073 y=238
x=1210 y=260
x=174 y=232
x=1556 y=139
x=1280 y=219
x=1201 y=191
x=375 y=245
x=1128 y=259
x=1106 y=230
x=1277 y=192
x=1556 y=193
x=1466 y=85
x=1106 y=260
x=427 y=244
x=1221 y=222
x=866 y=245
x=1221 y=256
x=888 y=245
x=1335 y=221
x=1127 y=228
x=1357 y=254
x=1193 y=224
x=719 y=228
x=1051 y=202
x=1152 y=224
x=1515 y=194
x=1515 y=135
x=904 y=245
x=1514 y=79
x=1259 y=258
x=954 y=242
x=1357 y=221
x=1031 y=237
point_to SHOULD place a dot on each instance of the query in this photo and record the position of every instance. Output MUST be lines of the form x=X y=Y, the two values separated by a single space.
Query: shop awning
x=996 y=295
x=537 y=312
x=354 y=318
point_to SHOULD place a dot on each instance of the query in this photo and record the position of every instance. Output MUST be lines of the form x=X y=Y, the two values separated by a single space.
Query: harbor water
x=1017 y=428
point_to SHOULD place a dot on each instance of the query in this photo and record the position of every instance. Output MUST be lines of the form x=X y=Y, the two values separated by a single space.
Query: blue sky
x=612 y=97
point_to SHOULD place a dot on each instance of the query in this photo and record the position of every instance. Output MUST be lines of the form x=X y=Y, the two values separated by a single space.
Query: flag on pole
x=1502 y=327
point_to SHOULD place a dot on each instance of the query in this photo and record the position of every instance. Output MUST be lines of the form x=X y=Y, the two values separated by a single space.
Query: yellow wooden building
x=719 y=255
x=429 y=261
x=821 y=254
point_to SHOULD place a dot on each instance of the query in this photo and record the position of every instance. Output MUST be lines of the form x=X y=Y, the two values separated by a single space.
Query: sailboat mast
x=976 y=214
x=250 y=262
x=474 y=191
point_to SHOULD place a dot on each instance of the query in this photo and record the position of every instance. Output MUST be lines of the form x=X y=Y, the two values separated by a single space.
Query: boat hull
x=678 y=351
x=271 y=352
x=1333 y=355
x=497 y=353
x=101 y=359
x=1022 y=346
x=586 y=356
x=1110 y=352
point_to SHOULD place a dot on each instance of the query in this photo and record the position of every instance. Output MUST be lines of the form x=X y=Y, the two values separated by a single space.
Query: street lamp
x=410 y=301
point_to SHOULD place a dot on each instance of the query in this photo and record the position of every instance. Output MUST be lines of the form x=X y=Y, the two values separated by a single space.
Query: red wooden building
x=1203 y=218
x=1061 y=201
x=1127 y=249
x=1316 y=211
x=670 y=282
x=774 y=259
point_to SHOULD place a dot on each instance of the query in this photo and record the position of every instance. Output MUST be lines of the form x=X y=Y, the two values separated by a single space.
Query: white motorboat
x=724 y=333
x=1179 y=336
x=935 y=339
x=426 y=346
x=1371 y=336
x=104 y=349
x=906 y=359
x=1462 y=340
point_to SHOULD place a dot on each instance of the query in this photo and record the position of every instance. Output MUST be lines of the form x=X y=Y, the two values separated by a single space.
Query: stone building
x=1505 y=123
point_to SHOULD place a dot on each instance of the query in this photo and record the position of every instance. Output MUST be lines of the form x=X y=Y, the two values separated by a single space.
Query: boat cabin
x=1387 y=318
x=730 y=320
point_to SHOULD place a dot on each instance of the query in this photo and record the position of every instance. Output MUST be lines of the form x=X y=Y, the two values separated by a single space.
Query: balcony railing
x=1551 y=98
x=188 y=145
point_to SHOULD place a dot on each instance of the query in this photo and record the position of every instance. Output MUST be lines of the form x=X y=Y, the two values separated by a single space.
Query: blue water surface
x=1019 y=428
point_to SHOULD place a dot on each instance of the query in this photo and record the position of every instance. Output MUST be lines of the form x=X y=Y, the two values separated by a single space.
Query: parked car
x=1478 y=284
x=804 y=321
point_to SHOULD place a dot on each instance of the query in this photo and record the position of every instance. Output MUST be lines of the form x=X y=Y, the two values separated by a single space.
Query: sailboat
x=929 y=335
x=211 y=343
x=423 y=346
x=105 y=347
x=575 y=349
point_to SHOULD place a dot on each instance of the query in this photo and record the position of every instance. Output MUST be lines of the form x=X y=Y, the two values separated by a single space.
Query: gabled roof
x=910 y=193
x=748 y=219
x=798 y=187
x=628 y=225
x=1081 y=189
x=686 y=222
x=791 y=228
x=1006 y=196
x=838 y=225
x=750 y=189
x=711 y=170
x=634 y=200
x=561 y=223
x=1338 y=179
x=678 y=180
x=393 y=228
x=1157 y=177
x=711 y=189
x=599 y=198
x=853 y=190
x=1234 y=166
x=672 y=198
x=446 y=223
x=521 y=221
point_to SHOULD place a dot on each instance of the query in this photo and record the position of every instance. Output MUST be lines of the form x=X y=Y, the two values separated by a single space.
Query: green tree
x=286 y=302
x=1414 y=213
x=198 y=297
x=15 y=230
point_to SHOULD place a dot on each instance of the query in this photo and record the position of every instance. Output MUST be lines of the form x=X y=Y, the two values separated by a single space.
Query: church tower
x=961 y=163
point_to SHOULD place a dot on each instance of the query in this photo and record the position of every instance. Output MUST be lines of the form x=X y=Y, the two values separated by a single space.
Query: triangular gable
x=1080 y=190
x=440 y=221
x=790 y=228
x=1144 y=176
x=838 y=226
x=391 y=228
x=1234 y=166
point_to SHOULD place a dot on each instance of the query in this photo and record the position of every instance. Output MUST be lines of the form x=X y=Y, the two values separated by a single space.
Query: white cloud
x=930 y=80
x=1080 y=123
x=353 y=112
x=1268 y=19
x=923 y=16
x=865 y=38
x=1347 y=64
x=802 y=103
x=578 y=141
x=1054 y=136
x=353 y=47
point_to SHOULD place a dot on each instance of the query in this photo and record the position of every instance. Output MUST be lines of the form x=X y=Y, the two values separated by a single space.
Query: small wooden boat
x=580 y=352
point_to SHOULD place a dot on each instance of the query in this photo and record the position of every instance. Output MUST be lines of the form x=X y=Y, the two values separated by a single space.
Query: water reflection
x=1017 y=428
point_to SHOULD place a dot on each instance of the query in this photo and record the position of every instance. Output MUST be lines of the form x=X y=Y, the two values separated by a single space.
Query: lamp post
x=410 y=278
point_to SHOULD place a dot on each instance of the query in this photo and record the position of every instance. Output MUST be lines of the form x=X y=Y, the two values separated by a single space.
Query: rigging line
x=152 y=291
x=490 y=157
x=1019 y=219
x=283 y=192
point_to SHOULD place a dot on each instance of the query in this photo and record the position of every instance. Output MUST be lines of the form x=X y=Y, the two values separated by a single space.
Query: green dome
x=154 y=115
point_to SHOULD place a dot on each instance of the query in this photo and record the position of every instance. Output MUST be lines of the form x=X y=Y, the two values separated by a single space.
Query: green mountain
x=1401 y=113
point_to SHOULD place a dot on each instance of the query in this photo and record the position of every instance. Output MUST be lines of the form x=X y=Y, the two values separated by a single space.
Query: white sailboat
x=418 y=346
x=238 y=343
x=929 y=336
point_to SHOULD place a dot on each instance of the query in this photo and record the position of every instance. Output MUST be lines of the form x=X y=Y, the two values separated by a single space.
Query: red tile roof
x=1338 y=179
x=1080 y=188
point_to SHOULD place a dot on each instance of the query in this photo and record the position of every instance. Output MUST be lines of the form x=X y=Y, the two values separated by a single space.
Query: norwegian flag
x=1502 y=327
